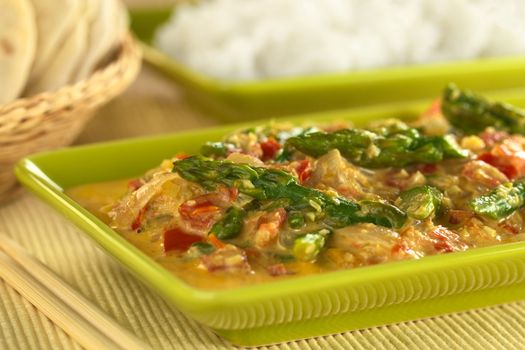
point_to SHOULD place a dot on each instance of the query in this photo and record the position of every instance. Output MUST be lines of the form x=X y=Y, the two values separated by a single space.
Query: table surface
x=153 y=105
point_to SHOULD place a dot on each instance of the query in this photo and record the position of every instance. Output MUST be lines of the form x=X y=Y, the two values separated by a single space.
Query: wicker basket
x=54 y=119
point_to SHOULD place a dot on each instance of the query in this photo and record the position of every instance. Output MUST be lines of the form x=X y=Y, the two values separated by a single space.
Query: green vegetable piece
x=204 y=248
x=231 y=224
x=295 y=219
x=421 y=202
x=501 y=202
x=283 y=155
x=307 y=247
x=472 y=113
x=393 y=146
x=276 y=204
x=215 y=149
x=270 y=184
x=383 y=214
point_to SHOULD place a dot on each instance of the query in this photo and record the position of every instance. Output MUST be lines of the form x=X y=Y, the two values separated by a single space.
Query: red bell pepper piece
x=135 y=225
x=270 y=147
x=177 y=239
x=303 y=170
x=508 y=157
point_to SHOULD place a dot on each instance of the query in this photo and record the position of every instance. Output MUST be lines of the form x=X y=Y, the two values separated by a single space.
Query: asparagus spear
x=395 y=147
x=473 y=113
x=306 y=247
x=271 y=184
x=421 y=202
x=230 y=225
x=501 y=202
x=215 y=149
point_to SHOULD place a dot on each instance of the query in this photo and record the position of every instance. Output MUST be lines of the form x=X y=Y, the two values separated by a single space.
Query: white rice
x=258 y=39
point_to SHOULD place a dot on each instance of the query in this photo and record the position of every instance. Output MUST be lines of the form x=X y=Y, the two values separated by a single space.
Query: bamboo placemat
x=155 y=106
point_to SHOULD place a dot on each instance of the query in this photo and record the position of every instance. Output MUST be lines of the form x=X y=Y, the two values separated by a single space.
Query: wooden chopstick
x=67 y=308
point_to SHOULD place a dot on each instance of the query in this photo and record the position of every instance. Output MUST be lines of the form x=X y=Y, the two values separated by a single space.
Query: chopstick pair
x=67 y=308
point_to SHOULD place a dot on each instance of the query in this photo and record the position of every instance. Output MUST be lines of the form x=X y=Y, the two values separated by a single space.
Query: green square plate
x=238 y=101
x=285 y=309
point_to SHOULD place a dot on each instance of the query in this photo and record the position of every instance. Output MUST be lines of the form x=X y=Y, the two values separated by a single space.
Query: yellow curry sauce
x=280 y=201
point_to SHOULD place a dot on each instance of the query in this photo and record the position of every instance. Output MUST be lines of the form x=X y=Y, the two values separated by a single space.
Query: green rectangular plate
x=285 y=309
x=240 y=101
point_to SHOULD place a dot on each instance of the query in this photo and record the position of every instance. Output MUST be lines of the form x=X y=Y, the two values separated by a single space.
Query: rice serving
x=259 y=39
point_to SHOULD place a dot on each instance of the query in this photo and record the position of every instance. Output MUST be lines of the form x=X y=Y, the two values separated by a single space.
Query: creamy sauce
x=96 y=197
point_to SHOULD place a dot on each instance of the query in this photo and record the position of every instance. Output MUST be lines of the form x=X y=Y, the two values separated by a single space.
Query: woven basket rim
x=126 y=46
x=50 y=120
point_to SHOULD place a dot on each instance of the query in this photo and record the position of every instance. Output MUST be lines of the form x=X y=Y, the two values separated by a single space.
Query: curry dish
x=278 y=201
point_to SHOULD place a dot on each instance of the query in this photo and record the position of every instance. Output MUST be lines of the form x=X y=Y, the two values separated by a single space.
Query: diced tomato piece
x=135 y=225
x=217 y=243
x=501 y=164
x=134 y=184
x=446 y=241
x=428 y=168
x=234 y=192
x=508 y=157
x=199 y=215
x=488 y=157
x=182 y=156
x=202 y=211
x=303 y=170
x=270 y=147
x=509 y=170
x=177 y=239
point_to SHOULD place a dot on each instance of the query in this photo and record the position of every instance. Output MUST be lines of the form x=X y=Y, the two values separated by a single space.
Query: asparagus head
x=472 y=113
x=501 y=202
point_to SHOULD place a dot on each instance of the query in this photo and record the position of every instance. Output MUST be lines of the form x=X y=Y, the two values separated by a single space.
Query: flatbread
x=55 y=20
x=17 y=46
x=60 y=69
x=105 y=32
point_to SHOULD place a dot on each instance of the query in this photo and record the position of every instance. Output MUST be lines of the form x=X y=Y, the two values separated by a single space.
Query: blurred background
x=459 y=45
x=152 y=105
